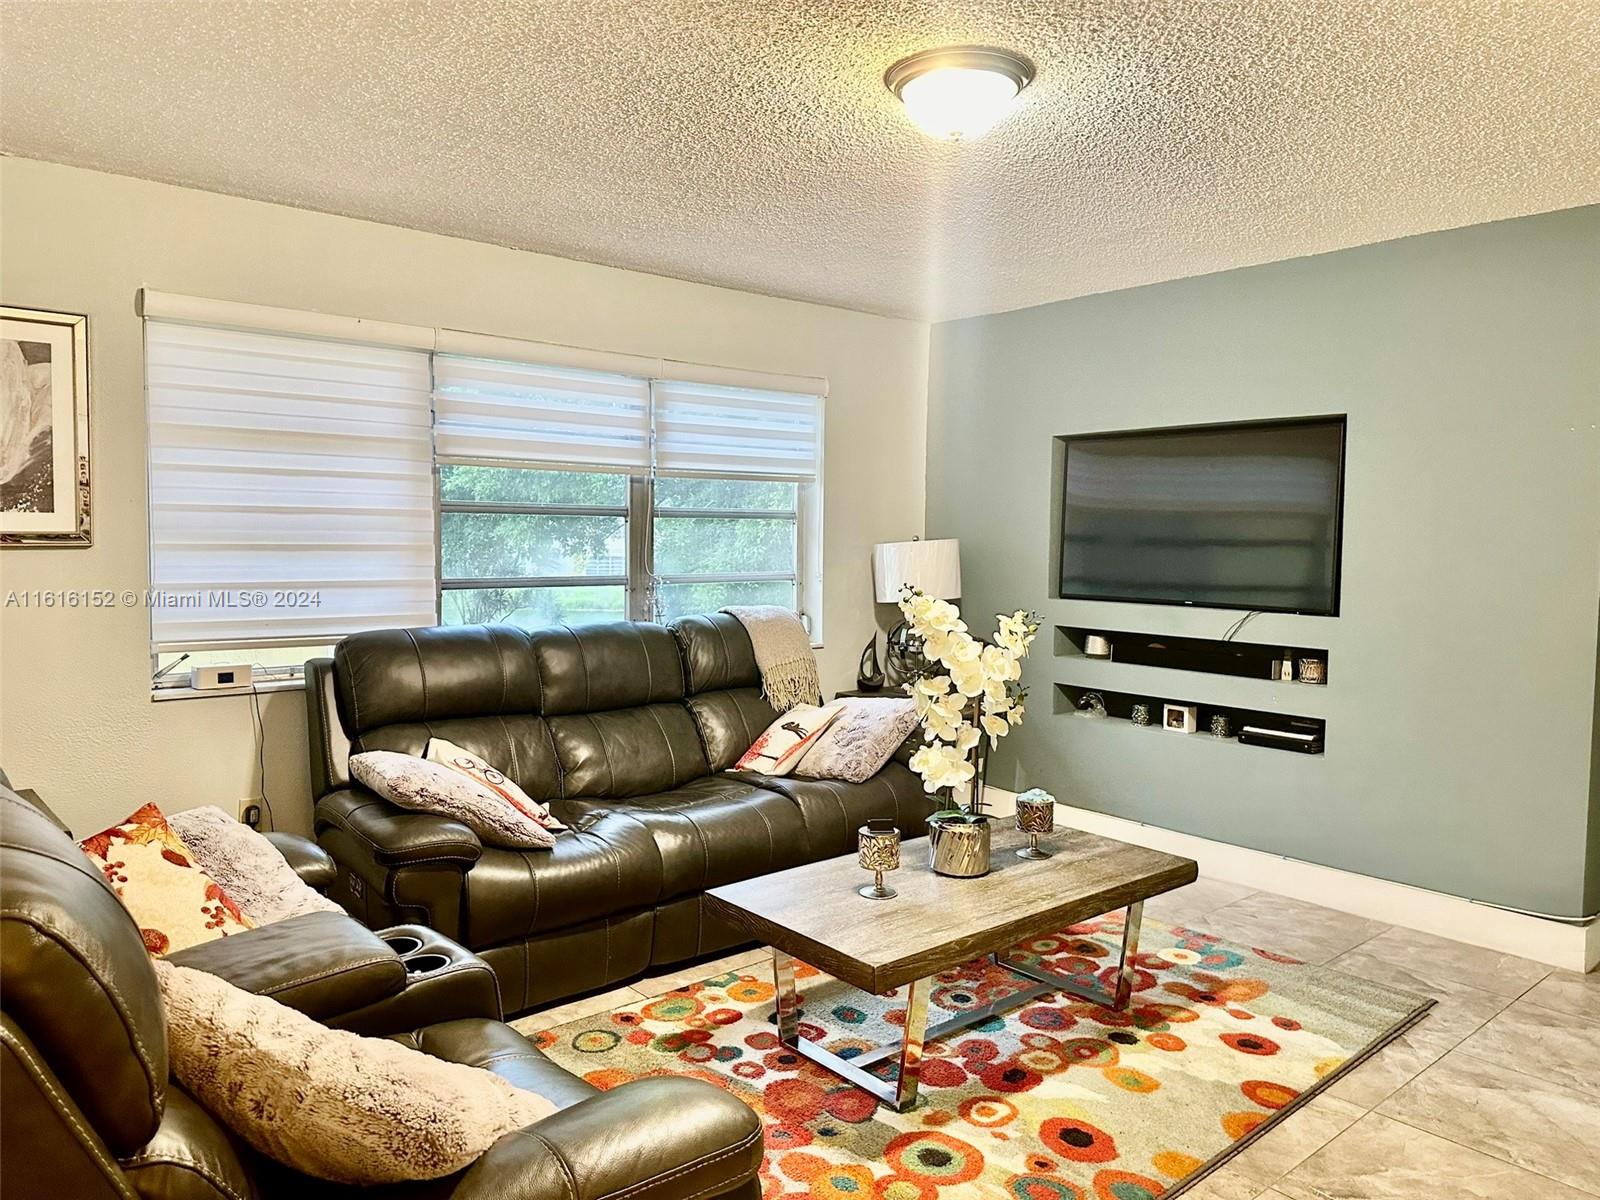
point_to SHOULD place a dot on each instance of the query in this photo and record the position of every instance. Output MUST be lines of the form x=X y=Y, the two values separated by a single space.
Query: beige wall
x=76 y=719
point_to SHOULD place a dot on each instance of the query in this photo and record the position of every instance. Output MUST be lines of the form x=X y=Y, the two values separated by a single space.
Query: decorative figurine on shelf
x=1036 y=815
x=1141 y=713
x=1220 y=727
x=877 y=850
x=869 y=675
x=1092 y=704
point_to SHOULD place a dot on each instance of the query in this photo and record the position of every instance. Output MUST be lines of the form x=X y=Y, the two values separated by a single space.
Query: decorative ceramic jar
x=1141 y=714
x=1312 y=670
x=1220 y=727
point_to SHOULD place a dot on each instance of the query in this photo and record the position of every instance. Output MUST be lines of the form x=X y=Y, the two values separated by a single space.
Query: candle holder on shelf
x=878 y=850
x=1036 y=815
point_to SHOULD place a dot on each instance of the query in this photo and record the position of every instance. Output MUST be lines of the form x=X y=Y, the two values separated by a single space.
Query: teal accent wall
x=1462 y=727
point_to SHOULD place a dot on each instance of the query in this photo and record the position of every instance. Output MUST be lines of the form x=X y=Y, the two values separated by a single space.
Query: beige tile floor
x=1495 y=1096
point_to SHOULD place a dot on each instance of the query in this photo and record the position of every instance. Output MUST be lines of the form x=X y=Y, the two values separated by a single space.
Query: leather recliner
x=88 y=1111
x=627 y=731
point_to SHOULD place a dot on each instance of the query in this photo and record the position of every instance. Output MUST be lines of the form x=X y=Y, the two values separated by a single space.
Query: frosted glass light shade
x=934 y=566
x=959 y=91
x=952 y=103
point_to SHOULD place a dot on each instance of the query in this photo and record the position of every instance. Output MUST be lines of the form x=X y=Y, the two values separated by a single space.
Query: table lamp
x=934 y=566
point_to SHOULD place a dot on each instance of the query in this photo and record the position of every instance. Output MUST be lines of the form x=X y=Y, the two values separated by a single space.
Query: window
x=306 y=484
x=290 y=492
x=570 y=496
x=532 y=547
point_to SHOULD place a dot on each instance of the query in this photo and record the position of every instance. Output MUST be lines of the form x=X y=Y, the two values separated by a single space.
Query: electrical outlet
x=251 y=816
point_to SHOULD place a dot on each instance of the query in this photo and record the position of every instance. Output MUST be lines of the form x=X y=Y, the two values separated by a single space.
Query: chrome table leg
x=899 y=1093
x=1118 y=996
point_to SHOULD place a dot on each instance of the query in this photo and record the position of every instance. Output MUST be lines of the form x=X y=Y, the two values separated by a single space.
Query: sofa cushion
x=390 y=676
x=628 y=751
x=717 y=653
x=605 y=863
x=728 y=721
x=832 y=811
x=591 y=668
x=712 y=831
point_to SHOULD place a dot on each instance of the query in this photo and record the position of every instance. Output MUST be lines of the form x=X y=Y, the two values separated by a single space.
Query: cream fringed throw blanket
x=783 y=652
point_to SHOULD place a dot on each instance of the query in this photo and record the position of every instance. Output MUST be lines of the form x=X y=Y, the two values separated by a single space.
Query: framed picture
x=44 y=428
x=1180 y=718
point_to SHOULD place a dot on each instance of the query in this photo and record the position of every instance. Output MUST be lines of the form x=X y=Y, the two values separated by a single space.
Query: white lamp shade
x=934 y=566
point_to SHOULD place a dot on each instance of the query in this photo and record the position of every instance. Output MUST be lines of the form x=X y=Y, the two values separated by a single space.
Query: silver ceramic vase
x=959 y=848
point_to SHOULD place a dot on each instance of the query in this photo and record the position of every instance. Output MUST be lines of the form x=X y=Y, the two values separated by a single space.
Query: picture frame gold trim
x=80 y=535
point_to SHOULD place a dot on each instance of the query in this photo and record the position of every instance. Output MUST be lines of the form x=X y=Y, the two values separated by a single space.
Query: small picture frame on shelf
x=1180 y=718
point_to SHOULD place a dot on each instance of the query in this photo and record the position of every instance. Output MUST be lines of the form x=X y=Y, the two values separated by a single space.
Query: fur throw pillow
x=250 y=869
x=327 y=1102
x=424 y=786
x=863 y=738
x=469 y=764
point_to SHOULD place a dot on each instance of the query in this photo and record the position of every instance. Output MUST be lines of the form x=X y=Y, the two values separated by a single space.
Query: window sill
x=162 y=695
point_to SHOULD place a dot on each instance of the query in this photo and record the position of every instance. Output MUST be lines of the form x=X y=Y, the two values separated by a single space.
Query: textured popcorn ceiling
x=753 y=144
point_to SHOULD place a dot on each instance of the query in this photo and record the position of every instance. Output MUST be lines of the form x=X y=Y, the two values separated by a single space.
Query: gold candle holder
x=878 y=850
x=1036 y=815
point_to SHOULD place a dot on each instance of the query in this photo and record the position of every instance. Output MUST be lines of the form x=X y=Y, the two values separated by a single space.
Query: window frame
x=441 y=507
x=642 y=583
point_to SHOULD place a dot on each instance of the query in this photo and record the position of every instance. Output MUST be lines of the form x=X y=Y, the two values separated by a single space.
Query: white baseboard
x=1571 y=947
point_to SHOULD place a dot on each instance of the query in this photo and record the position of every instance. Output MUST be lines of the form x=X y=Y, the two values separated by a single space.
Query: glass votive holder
x=878 y=850
x=1036 y=815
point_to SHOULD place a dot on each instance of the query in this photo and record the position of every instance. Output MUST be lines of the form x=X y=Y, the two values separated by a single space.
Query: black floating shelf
x=1247 y=660
x=1119 y=707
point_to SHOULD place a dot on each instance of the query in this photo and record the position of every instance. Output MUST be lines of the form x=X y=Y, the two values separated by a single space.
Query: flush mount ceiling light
x=961 y=91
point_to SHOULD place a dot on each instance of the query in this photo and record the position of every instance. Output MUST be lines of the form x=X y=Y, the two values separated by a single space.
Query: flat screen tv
x=1220 y=516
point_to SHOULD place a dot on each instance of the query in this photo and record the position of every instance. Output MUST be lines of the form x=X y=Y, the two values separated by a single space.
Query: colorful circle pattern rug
x=1057 y=1099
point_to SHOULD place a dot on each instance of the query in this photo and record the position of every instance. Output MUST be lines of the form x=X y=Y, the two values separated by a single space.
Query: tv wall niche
x=1239 y=516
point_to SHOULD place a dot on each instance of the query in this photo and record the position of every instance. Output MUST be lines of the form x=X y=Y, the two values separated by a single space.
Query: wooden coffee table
x=936 y=924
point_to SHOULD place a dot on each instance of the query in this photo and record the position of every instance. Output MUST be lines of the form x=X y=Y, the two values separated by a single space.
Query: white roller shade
x=703 y=429
x=288 y=468
x=511 y=412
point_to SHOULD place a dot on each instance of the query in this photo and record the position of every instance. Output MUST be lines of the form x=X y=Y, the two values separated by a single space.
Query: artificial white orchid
x=971 y=690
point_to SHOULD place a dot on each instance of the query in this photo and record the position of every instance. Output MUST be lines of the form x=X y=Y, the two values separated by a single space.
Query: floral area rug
x=1057 y=1099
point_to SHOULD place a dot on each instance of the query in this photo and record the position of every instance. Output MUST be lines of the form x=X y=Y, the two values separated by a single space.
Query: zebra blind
x=291 y=488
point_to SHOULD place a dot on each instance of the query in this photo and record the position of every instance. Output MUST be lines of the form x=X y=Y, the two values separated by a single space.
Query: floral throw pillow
x=423 y=786
x=469 y=764
x=159 y=881
x=787 y=739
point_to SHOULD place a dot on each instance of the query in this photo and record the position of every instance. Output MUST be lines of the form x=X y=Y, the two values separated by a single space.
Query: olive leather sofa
x=628 y=731
x=88 y=1110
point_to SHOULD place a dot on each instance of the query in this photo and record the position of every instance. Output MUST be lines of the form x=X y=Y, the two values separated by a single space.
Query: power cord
x=1237 y=626
x=261 y=747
